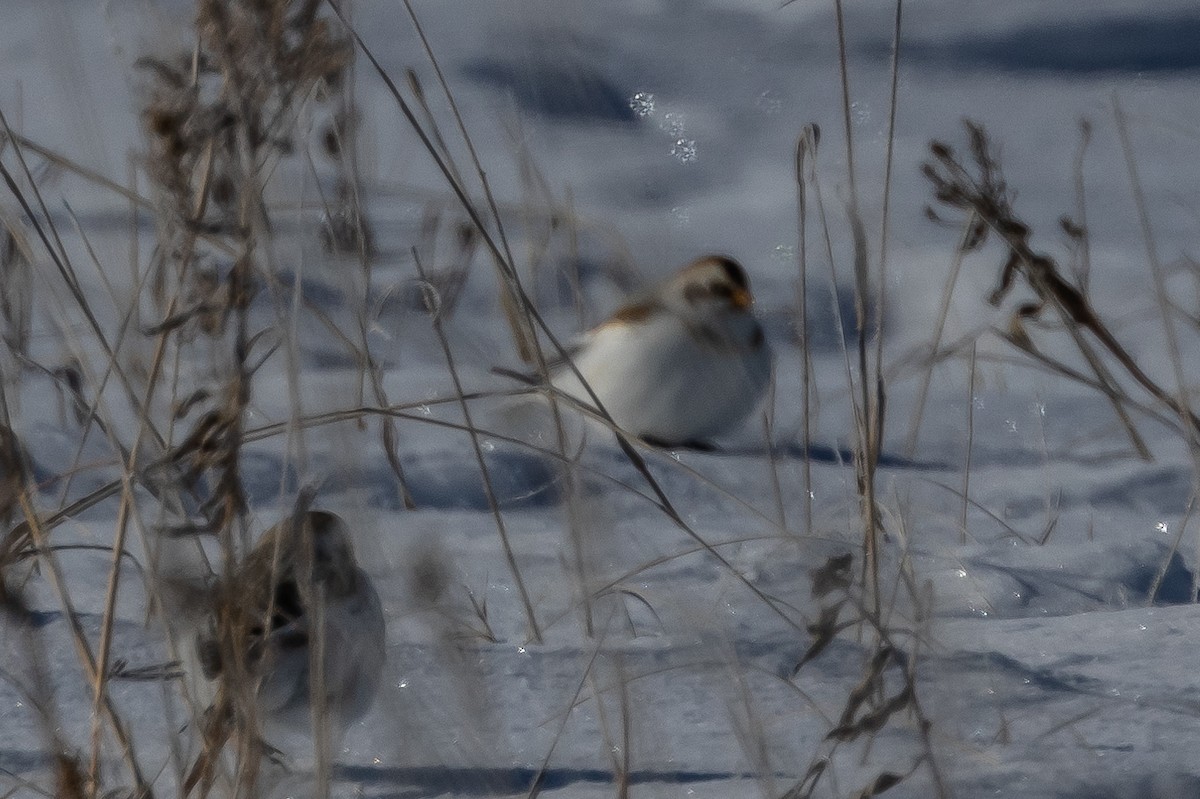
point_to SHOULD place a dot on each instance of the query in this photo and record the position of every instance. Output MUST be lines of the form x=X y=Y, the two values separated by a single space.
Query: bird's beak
x=741 y=299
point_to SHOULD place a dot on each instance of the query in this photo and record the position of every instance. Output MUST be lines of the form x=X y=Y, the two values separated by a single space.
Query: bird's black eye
x=722 y=290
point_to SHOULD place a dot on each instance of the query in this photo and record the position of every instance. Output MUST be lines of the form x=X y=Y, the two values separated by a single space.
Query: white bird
x=683 y=364
x=300 y=625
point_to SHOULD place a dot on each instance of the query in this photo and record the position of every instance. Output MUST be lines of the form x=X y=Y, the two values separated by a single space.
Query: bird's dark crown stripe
x=733 y=270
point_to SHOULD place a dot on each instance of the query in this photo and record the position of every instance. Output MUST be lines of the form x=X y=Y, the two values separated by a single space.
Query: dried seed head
x=977 y=137
x=1012 y=227
x=941 y=150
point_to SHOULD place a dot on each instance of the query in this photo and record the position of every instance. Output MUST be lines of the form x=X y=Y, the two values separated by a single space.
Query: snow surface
x=1058 y=661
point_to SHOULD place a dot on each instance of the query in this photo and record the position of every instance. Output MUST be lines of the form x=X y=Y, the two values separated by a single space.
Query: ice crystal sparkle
x=684 y=150
x=642 y=104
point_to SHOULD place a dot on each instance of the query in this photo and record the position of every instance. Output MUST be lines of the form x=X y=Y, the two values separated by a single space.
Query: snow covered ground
x=1055 y=658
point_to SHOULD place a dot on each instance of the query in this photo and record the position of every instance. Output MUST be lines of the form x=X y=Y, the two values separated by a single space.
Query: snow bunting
x=298 y=616
x=685 y=363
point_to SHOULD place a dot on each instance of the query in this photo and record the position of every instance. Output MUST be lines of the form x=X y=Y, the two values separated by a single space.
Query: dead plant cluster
x=973 y=185
x=218 y=119
x=887 y=695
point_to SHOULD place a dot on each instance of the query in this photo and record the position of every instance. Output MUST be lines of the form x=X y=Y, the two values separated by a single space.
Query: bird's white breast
x=659 y=380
